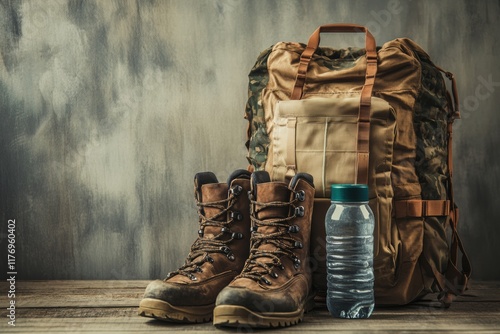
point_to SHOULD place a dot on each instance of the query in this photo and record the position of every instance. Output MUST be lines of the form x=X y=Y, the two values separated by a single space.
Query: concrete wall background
x=109 y=108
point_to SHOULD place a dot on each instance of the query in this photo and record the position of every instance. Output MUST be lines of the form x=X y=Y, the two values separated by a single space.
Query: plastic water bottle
x=349 y=245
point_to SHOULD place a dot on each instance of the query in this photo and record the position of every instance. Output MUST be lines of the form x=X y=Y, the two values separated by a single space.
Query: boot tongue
x=272 y=192
x=266 y=193
x=238 y=174
x=213 y=192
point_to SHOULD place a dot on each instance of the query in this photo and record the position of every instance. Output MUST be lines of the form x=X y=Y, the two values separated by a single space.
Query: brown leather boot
x=274 y=287
x=217 y=256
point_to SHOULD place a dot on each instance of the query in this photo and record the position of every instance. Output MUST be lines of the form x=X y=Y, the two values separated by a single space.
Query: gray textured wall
x=109 y=108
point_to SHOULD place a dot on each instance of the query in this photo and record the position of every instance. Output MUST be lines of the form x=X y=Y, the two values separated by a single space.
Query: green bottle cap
x=349 y=192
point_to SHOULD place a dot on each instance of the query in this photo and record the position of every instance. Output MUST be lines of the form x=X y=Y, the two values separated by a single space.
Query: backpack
x=381 y=116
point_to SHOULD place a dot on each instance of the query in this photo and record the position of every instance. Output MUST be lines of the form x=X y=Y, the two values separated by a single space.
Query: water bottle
x=349 y=246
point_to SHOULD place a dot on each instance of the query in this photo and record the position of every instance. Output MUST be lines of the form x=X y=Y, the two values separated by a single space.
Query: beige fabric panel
x=325 y=140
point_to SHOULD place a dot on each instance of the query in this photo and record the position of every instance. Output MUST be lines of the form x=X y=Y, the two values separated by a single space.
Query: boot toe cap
x=265 y=301
x=175 y=294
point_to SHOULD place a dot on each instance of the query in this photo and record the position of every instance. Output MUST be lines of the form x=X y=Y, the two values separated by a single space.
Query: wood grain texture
x=111 y=307
x=109 y=108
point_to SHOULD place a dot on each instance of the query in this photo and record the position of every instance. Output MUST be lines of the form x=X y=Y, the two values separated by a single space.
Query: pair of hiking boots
x=249 y=265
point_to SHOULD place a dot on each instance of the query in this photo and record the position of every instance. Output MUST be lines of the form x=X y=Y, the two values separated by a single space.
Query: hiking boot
x=274 y=287
x=216 y=257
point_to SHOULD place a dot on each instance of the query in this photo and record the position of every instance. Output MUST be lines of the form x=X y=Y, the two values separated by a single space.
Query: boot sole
x=161 y=310
x=239 y=316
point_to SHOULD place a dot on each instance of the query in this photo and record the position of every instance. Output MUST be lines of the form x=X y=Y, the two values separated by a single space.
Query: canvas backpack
x=380 y=116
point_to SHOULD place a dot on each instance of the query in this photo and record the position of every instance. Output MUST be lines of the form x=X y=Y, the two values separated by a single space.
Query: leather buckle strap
x=421 y=208
x=363 y=149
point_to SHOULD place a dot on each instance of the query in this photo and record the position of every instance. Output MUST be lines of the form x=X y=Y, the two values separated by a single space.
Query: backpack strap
x=363 y=133
x=456 y=106
x=454 y=281
x=422 y=208
x=456 y=278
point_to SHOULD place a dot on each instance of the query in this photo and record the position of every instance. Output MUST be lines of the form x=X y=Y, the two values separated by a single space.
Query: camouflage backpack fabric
x=416 y=241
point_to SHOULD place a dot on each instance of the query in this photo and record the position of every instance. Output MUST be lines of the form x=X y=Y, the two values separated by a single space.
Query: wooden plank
x=45 y=286
x=129 y=293
x=77 y=312
x=316 y=323
x=111 y=307
x=105 y=325
x=80 y=293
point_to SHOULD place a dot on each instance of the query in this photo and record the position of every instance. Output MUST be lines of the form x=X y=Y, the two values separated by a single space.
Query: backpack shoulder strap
x=454 y=281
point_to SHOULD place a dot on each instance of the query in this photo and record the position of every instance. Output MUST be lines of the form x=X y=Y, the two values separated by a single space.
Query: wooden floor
x=111 y=307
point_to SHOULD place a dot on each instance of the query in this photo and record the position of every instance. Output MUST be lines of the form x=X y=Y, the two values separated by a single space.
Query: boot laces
x=203 y=246
x=261 y=262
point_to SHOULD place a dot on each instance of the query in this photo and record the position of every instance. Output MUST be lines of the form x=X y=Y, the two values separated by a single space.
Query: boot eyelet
x=299 y=211
x=198 y=270
x=237 y=236
x=253 y=229
x=225 y=249
x=265 y=280
x=236 y=215
x=225 y=230
x=300 y=195
x=273 y=275
x=282 y=267
x=296 y=263
x=231 y=257
x=193 y=278
x=209 y=259
x=293 y=229
x=200 y=233
x=236 y=190
x=298 y=245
